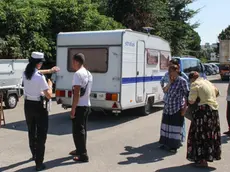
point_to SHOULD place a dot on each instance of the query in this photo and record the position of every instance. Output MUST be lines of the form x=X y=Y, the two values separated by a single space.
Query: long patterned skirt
x=172 y=130
x=204 y=138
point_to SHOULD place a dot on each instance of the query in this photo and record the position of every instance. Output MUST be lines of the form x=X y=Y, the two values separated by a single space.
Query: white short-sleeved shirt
x=33 y=88
x=81 y=78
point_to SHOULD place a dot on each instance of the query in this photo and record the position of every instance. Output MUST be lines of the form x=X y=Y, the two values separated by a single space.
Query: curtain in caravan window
x=152 y=57
x=164 y=60
x=96 y=59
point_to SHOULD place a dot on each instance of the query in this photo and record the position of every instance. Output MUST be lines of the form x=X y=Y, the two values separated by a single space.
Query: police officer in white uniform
x=36 y=89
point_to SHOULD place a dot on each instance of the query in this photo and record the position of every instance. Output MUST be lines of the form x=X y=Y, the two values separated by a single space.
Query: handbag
x=82 y=89
x=190 y=110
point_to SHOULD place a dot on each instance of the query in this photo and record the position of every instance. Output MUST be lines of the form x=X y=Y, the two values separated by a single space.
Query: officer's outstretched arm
x=50 y=71
x=45 y=71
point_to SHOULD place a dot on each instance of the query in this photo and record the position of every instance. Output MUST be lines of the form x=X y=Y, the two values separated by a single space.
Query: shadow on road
x=14 y=165
x=149 y=153
x=60 y=124
x=187 y=168
x=49 y=164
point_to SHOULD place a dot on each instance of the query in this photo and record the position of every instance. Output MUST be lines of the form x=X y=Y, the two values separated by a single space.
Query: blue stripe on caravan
x=131 y=80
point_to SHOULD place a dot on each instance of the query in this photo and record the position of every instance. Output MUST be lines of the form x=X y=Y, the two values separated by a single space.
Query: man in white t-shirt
x=82 y=84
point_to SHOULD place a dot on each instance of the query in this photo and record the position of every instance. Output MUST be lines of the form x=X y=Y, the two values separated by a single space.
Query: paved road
x=124 y=144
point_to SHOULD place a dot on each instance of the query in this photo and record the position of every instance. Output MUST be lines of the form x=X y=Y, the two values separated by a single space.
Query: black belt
x=82 y=107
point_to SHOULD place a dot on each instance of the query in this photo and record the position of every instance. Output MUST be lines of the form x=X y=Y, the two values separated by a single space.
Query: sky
x=213 y=18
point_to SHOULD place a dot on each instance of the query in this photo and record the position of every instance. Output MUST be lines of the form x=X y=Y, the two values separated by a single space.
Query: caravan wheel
x=147 y=109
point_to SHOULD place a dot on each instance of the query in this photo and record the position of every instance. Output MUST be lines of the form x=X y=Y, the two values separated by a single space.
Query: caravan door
x=140 y=71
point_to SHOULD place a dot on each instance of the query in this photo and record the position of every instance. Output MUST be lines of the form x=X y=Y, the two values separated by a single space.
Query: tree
x=22 y=27
x=225 y=34
x=66 y=15
x=217 y=49
x=33 y=25
x=181 y=30
x=138 y=14
x=168 y=18
x=193 y=43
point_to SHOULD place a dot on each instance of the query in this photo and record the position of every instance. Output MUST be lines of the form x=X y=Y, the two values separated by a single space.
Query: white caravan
x=127 y=67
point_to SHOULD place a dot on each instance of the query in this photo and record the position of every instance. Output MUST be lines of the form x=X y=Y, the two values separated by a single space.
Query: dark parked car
x=215 y=67
x=209 y=69
x=224 y=71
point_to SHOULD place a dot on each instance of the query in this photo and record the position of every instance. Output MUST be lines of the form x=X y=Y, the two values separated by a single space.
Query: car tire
x=11 y=101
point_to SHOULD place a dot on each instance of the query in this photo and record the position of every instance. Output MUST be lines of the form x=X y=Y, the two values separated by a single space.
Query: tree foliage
x=33 y=25
x=168 y=18
x=225 y=34
x=183 y=37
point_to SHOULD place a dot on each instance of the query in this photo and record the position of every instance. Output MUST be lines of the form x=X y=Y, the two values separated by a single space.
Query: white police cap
x=38 y=56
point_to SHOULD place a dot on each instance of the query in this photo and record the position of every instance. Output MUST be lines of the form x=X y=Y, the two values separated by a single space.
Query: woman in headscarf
x=173 y=119
x=204 y=139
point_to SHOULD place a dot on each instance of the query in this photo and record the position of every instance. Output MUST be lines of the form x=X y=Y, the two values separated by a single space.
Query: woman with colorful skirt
x=204 y=138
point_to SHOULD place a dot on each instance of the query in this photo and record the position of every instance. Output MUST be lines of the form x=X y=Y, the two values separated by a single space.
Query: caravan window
x=164 y=60
x=152 y=57
x=96 y=59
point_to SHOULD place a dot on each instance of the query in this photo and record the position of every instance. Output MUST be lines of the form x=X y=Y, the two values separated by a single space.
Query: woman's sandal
x=162 y=147
x=202 y=163
x=173 y=151
x=74 y=152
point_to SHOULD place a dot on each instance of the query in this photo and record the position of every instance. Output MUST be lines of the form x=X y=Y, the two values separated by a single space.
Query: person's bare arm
x=49 y=71
x=183 y=110
x=76 y=96
x=193 y=94
x=46 y=71
x=191 y=102
x=48 y=93
x=166 y=88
